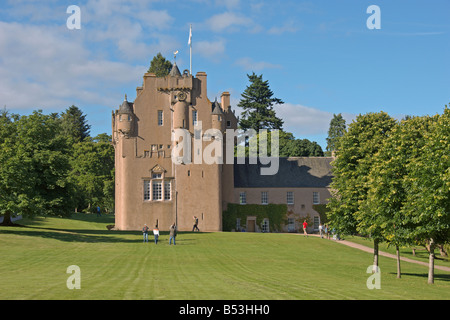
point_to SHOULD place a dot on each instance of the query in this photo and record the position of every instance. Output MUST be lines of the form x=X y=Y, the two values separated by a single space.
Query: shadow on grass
x=75 y=235
x=87 y=235
x=437 y=276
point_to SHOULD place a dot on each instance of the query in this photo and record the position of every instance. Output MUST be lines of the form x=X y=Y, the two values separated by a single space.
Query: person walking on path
x=305 y=224
x=156 y=234
x=145 y=232
x=321 y=230
x=195 y=224
x=172 y=234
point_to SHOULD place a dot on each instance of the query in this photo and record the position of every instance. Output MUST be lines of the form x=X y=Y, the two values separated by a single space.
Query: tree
x=288 y=146
x=33 y=166
x=92 y=172
x=74 y=124
x=348 y=212
x=335 y=132
x=301 y=148
x=160 y=66
x=387 y=192
x=427 y=206
x=257 y=102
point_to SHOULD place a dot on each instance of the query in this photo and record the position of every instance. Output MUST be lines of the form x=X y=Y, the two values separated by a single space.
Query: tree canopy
x=335 y=132
x=392 y=181
x=160 y=66
x=49 y=165
x=257 y=103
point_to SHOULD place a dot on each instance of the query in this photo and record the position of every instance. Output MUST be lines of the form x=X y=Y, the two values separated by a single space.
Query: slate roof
x=295 y=172
x=216 y=108
x=126 y=107
x=175 y=72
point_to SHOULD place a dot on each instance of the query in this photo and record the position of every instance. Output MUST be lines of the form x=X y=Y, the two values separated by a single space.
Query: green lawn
x=117 y=265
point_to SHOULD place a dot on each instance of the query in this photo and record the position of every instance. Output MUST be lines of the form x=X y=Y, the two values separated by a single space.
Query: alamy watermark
x=374 y=281
x=374 y=21
x=74 y=280
x=213 y=152
x=74 y=20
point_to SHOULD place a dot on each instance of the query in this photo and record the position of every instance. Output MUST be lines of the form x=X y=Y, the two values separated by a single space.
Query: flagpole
x=190 y=50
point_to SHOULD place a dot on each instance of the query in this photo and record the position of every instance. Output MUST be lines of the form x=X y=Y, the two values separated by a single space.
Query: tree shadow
x=72 y=235
x=88 y=235
x=437 y=276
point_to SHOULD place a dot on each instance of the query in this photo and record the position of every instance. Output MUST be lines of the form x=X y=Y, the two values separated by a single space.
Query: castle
x=154 y=188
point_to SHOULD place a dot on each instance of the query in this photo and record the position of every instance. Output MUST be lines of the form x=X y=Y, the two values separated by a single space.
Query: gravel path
x=384 y=254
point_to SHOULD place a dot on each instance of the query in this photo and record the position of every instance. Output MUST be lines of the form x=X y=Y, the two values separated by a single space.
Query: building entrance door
x=251 y=224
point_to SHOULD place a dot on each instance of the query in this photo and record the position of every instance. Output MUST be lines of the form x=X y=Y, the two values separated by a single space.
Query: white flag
x=190 y=35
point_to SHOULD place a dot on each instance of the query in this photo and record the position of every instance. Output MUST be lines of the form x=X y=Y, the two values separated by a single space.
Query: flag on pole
x=190 y=36
x=190 y=49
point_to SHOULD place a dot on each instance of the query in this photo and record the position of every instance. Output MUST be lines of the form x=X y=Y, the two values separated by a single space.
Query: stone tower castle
x=154 y=188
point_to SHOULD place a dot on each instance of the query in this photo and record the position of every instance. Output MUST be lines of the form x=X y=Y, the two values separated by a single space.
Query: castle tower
x=151 y=188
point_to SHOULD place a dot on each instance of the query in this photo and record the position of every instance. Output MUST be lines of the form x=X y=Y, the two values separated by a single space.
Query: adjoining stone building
x=154 y=190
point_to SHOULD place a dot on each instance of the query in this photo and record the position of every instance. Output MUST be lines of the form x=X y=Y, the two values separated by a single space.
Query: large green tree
x=387 y=193
x=33 y=166
x=257 y=102
x=351 y=170
x=92 y=173
x=427 y=206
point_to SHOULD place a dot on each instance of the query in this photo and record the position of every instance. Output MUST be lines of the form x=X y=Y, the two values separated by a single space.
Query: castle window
x=146 y=190
x=160 y=118
x=154 y=147
x=167 y=190
x=290 y=197
x=157 y=176
x=264 y=197
x=157 y=190
x=146 y=153
x=265 y=225
x=228 y=124
x=316 y=198
x=242 y=198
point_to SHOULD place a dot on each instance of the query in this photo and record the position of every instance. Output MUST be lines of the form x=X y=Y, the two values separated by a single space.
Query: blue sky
x=319 y=56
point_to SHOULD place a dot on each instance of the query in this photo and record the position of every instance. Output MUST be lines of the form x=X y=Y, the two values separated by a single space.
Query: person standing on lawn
x=172 y=234
x=305 y=224
x=145 y=232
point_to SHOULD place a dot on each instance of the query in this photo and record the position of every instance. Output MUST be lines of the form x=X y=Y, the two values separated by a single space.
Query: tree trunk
x=442 y=251
x=399 y=272
x=431 y=263
x=375 y=256
x=7 y=219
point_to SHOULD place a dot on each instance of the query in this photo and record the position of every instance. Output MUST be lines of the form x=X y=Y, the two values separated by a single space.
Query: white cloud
x=303 y=120
x=228 y=21
x=209 y=49
x=289 y=26
x=48 y=67
x=249 y=65
x=229 y=4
